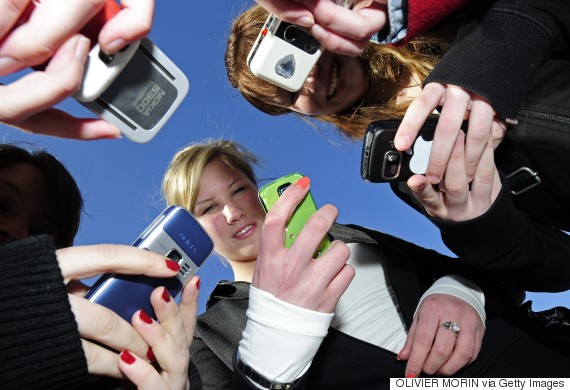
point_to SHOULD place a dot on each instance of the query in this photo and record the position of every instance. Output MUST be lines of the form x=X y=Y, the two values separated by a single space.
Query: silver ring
x=452 y=326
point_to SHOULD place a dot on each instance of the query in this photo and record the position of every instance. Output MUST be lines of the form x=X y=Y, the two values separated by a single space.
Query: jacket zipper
x=544 y=115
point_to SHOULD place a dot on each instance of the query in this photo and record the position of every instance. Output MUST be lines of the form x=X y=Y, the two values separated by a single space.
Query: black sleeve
x=498 y=53
x=39 y=339
x=206 y=370
x=507 y=243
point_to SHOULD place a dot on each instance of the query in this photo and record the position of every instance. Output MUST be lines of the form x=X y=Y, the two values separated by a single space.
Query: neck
x=243 y=270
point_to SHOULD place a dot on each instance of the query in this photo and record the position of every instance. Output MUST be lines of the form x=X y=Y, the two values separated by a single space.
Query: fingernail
x=8 y=65
x=303 y=182
x=114 y=46
x=82 y=49
x=172 y=265
x=398 y=357
x=166 y=295
x=411 y=375
x=198 y=283
x=306 y=21
x=150 y=355
x=127 y=357
x=319 y=32
x=401 y=141
x=145 y=317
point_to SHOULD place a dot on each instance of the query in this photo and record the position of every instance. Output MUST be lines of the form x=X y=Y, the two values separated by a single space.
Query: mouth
x=335 y=80
x=245 y=231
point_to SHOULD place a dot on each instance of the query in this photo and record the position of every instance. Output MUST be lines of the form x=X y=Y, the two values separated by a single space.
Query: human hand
x=169 y=340
x=338 y=29
x=98 y=323
x=432 y=349
x=457 y=199
x=291 y=274
x=50 y=33
x=458 y=104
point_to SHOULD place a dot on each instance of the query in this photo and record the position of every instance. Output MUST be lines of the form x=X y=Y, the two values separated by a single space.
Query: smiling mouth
x=335 y=79
x=244 y=231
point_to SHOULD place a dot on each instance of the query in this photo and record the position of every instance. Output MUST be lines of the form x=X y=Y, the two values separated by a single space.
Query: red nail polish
x=198 y=283
x=166 y=295
x=303 y=182
x=150 y=355
x=411 y=375
x=145 y=317
x=127 y=357
x=172 y=265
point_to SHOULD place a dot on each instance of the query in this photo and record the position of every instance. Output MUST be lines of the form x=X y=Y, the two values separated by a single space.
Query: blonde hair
x=390 y=68
x=183 y=177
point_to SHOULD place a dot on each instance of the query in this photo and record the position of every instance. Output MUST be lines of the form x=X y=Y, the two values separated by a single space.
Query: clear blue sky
x=121 y=180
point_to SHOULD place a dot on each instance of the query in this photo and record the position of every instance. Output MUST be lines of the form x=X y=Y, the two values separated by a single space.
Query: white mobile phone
x=284 y=54
x=137 y=89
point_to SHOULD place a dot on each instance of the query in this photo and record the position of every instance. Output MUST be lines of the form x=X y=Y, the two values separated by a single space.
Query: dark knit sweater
x=40 y=346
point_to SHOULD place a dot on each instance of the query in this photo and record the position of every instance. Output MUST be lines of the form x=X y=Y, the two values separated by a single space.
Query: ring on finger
x=452 y=326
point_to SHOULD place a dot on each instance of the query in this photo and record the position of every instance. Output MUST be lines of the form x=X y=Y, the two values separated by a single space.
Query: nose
x=233 y=212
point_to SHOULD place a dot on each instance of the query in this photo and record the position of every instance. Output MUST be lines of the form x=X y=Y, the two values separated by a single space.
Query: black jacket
x=342 y=361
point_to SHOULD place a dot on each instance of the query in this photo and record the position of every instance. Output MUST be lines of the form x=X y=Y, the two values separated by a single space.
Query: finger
x=38 y=91
x=57 y=123
x=426 y=195
x=12 y=11
x=139 y=371
x=479 y=131
x=289 y=11
x=189 y=306
x=446 y=131
x=49 y=26
x=462 y=352
x=100 y=360
x=339 y=284
x=441 y=350
x=404 y=353
x=455 y=181
x=419 y=110
x=100 y=324
x=421 y=345
x=482 y=187
x=132 y=23
x=82 y=262
x=314 y=230
x=338 y=43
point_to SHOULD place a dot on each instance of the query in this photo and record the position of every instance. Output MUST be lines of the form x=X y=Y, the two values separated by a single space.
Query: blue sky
x=121 y=180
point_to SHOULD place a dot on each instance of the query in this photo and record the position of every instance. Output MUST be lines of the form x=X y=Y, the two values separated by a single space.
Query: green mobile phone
x=268 y=195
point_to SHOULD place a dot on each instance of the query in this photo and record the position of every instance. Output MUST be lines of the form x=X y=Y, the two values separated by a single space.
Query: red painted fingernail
x=145 y=317
x=198 y=283
x=172 y=265
x=127 y=357
x=166 y=295
x=303 y=182
x=150 y=355
x=411 y=375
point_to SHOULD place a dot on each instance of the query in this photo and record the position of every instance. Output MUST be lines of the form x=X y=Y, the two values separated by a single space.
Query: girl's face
x=228 y=207
x=335 y=83
x=24 y=208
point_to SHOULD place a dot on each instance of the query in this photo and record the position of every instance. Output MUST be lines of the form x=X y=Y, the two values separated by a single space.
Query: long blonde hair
x=183 y=177
x=391 y=68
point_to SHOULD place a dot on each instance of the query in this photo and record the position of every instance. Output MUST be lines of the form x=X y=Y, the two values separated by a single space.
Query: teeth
x=334 y=79
x=245 y=229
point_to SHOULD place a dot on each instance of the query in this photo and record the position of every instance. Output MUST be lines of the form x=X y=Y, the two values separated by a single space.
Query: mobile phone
x=268 y=195
x=175 y=234
x=284 y=54
x=381 y=162
x=137 y=89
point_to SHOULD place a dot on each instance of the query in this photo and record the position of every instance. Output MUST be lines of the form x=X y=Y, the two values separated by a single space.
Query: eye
x=238 y=190
x=208 y=209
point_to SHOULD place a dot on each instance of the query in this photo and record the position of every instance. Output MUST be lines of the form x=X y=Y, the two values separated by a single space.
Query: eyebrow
x=12 y=187
x=209 y=199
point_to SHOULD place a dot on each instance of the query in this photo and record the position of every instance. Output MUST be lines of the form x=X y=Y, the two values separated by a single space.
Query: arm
x=51 y=32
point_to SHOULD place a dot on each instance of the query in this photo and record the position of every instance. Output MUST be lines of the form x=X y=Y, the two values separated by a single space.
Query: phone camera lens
x=174 y=256
x=106 y=58
x=290 y=33
x=391 y=165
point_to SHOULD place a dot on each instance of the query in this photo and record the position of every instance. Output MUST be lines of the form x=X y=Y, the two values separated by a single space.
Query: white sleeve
x=461 y=288
x=280 y=340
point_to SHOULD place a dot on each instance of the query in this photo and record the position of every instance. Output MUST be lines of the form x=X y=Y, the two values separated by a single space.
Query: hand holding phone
x=284 y=54
x=268 y=195
x=381 y=162
x=177 y=235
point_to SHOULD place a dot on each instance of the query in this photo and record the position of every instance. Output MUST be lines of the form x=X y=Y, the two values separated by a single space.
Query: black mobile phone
x=381 y=162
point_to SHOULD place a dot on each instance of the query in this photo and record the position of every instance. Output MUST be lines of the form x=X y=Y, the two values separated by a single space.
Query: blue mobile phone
x=177 y=235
